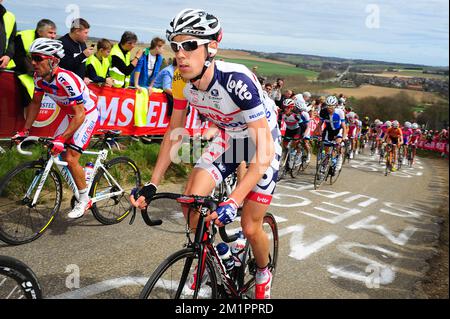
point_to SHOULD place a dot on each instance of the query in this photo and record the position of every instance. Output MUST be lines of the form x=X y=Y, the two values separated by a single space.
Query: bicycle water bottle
x=226 y=256
x=237 y=249
x=88 y=171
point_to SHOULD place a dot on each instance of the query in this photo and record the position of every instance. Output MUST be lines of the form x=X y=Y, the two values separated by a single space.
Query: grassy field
x=378 y=91
x=274 y=69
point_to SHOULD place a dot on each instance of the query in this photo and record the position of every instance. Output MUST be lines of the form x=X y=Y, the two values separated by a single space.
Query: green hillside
x=273 y=69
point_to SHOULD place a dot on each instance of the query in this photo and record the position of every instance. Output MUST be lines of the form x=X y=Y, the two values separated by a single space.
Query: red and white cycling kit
x=233 y=99
x=68 y=90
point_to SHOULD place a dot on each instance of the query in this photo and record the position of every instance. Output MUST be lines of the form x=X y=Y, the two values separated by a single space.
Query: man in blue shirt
x=163 y=81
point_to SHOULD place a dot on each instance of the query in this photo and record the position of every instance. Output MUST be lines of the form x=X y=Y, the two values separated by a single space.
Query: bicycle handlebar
x=42 y=140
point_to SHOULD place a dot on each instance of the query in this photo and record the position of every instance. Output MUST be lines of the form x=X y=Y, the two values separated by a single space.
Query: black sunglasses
x=37 y=58
x=188 y=45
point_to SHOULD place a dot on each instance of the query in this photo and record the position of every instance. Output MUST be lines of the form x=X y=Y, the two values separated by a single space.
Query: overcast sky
x=407 y=31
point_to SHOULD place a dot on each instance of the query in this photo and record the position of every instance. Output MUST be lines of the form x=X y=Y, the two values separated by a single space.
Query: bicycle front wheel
x=17 y=280
x=124 y=172
x=174 y=278
x=247 y=272
x=20 y=221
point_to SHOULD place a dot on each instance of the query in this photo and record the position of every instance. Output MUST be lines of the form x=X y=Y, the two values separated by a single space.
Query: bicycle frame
x=67 y=176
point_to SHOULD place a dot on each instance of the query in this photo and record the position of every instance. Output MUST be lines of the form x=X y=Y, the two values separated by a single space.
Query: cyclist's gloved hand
x=227 y=211
x=58 y=145
x=147 y=192
x=20 y=135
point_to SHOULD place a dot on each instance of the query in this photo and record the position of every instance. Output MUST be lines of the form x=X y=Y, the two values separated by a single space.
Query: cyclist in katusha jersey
x=74 y=99
x=231 y=97
x=305 y=130
x=415 y=137
x=352 y=131
x=407 y=132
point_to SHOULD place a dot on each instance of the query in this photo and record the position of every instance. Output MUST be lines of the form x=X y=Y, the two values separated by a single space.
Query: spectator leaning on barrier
x=149 y=65
x=121 y=64
x=8 y=29
x=45 y=29
x=276 y=91
x=75 y=48
x=97 y=65
x=164 y=82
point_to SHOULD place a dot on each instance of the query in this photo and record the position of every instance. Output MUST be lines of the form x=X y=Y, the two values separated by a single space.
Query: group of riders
x=232 y=99
x=339 y=123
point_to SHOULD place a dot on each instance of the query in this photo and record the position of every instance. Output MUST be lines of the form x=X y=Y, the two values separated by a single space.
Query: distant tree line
x=402 y=107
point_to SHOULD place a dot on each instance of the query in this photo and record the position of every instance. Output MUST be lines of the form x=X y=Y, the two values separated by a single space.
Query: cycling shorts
x=331 y=135
x=224 y=155
x=394 y=140
x=295 y=133
x=352 y=132
x=81 y=138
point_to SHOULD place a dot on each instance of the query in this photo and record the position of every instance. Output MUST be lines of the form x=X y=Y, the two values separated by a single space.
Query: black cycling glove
x=148 y=191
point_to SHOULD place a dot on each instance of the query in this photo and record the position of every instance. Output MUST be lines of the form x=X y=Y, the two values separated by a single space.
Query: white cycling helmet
x=307 y=94
x=395 y=124
x=289 y=103
x=342 y=101
x=48 y=47
x=331 y=100
x=415 y=126
x=351 y=115
x=195 y=22
x=408 y=124
x=388 y=123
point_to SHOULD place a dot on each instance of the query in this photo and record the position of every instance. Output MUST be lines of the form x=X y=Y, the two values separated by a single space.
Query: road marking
x=401 y=239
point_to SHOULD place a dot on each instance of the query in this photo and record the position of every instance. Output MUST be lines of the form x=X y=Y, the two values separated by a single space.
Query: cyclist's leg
x=201 y=182
x=78 y=143
x=253 y=211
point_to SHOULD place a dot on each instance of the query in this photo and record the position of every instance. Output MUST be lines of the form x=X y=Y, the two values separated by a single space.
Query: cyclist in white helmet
x=78 y=103
x=407 y=133
x=232 y=98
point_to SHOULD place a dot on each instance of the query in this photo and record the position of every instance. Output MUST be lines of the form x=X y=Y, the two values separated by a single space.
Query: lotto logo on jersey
x=239 y=88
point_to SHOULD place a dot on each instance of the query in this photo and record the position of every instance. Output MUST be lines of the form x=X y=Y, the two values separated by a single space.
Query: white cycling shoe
x=79 y=209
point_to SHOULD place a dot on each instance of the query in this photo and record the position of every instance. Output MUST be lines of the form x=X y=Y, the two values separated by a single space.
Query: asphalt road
x=367 y=236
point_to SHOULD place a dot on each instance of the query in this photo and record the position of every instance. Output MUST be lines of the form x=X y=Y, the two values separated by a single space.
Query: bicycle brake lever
x=133 y=216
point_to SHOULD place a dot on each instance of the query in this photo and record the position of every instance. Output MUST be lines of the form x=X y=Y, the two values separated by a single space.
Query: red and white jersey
x=67 y=90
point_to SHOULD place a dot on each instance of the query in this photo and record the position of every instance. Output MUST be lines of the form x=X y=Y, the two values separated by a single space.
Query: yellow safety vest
x=27 y=36
x=120 y=80
x=9 y=20
x=101 y=68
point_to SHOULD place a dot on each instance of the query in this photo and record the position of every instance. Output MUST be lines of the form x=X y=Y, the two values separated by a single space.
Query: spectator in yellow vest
x=97 y=65
x=121 y=63
x=8 y=29
x=45 y=29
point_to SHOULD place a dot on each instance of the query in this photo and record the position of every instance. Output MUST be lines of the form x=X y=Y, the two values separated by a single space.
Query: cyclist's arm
x=265 y=150
x=177 y=121
x=33 y=109
x=75 y=123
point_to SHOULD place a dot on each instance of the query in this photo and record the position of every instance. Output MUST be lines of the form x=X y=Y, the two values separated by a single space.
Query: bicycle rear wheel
x=247 y=272
x=114 y=209
x=17 y=280
x=21 y=223
x=173 y=279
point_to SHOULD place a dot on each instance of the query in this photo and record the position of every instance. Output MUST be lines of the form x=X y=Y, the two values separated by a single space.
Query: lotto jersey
x=233 y=98
x=67 y=90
